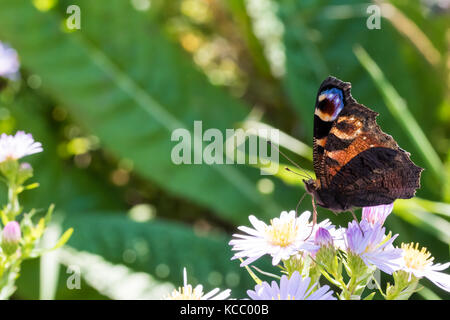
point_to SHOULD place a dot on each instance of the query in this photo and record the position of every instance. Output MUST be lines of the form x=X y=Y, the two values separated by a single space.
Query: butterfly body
x=356 y=164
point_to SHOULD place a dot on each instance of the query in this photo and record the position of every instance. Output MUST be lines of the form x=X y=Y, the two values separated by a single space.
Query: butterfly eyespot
x=330 y=104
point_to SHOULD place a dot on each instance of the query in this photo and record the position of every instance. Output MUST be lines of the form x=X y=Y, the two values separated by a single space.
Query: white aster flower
x=420 y=264
x=374 y=247
x=284 y=237
x=18 y=146
x=9 y=62
x=294 y=288
x=188 y=293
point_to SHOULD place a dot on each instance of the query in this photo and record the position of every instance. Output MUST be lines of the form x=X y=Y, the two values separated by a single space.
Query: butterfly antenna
x=287 y=158
x=299 y=174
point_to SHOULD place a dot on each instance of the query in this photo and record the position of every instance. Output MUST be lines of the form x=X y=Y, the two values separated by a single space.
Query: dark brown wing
x=354 y=131
x=376 y=176
x=323 y=121
x=364 y=165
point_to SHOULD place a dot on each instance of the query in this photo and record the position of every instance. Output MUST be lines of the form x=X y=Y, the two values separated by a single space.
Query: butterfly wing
x=364 y=165
x=376 y=176
x=332 y=98
x=355 y=162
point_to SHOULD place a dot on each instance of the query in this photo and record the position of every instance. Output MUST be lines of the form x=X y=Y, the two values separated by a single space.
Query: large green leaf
x=162 y=249
x=28 y=285
x=127 y=84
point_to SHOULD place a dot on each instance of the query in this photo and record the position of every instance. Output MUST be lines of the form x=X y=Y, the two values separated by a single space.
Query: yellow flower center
x=282 y=232
x=185 y=293
x=414 y=258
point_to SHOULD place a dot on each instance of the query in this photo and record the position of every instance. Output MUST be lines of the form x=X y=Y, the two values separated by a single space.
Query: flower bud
x=326 y=255
x=25 y=172
x=323 y=238
x=11 y=237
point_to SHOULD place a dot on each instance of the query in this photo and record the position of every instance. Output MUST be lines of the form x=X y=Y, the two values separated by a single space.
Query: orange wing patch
x=353 y=131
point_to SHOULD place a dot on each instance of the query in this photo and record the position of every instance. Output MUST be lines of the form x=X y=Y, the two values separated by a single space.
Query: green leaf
x=138 y=82
x=428 y=294
x=64 y=238
x=239 y=11
x=161 y=249
x=112 y=280
x=28 y=285
x=370 y=296
x=420 y=217
x=49 y=264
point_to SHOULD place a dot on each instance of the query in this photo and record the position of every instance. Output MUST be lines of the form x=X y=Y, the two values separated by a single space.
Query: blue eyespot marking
x=331 y=103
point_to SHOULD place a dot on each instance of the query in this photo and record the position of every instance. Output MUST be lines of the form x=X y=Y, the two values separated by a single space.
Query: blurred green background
x=104 y=100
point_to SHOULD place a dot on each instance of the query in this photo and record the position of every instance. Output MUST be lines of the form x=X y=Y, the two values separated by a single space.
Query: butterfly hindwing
x=376 y=176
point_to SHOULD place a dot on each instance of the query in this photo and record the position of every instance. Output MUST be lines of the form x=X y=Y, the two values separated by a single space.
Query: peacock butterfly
x=356 y=163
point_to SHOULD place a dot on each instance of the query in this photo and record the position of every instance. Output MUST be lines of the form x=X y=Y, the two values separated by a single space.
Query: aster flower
x=284 y=237
x=188 y=293
x=18 y=146
x=374 y=247
x=420 y=264
x=294 y=288
x=377 y=214
x=9 y=62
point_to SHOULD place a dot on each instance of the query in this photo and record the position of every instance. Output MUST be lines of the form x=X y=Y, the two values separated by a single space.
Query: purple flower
x=377 y=213
x=374 y=247
x=294 y=288
x=9 y=62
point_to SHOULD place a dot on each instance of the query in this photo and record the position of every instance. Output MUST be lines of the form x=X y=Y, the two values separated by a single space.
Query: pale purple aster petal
x=9 y=62
x=377 y=214
x=440 y=279
x=323 y=293
x=293 y=288
x=370 y=248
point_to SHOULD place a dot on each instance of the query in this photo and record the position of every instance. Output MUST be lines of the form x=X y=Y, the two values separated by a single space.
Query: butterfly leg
x=356 y=219
x=298 y=204
x=314 y=218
